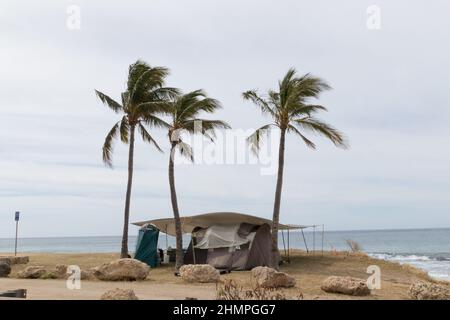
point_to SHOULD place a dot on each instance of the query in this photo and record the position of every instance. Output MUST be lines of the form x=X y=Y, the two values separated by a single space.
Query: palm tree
x=291 y=111
x=184 y=112
x=142 y=101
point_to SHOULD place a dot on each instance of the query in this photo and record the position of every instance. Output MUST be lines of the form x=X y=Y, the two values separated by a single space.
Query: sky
x=387 y=61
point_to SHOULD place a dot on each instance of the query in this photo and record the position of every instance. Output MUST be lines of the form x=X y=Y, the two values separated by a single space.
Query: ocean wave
x=436 y=265
x=409 y=257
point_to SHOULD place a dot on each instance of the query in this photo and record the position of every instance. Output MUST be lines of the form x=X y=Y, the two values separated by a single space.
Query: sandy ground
x=309 y=270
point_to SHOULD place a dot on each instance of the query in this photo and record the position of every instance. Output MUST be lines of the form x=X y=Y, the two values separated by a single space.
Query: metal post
x=193 y=245
x=323 y=230
x=314 y=239
x=167 y=240
x=16 y=218
x=288 y=258
x=304 y=240
x=284 y=244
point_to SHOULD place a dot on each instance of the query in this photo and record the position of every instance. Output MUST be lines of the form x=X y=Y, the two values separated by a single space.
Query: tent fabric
x=261 y=248
x=237 y=255
x=221 y=236
x=209 y=219
x=147 y=246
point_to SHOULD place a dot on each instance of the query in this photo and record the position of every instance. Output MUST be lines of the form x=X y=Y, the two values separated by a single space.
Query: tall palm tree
x=291 y=111
x=184 y=112
x=142 y=101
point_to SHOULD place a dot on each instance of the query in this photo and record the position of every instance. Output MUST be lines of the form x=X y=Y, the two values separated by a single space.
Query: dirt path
x=56 y=289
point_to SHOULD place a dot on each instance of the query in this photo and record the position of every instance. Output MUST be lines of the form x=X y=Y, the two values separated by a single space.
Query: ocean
x=427 y=249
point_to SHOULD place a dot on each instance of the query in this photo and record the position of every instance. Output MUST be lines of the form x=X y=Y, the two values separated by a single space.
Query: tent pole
x=284 y=245
x=193 y=245
x=314 y=239
x=288 y=246
x=304 y=240
x=323 y=229
x=167 y=240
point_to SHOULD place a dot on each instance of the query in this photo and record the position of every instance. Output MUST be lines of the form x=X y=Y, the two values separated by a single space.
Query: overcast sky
x=390 y=97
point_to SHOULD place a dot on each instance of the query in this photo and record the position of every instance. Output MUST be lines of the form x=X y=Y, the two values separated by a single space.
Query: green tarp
x=147 y=246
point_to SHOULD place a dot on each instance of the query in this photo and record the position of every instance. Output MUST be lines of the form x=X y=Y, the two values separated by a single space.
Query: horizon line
x=318 y=229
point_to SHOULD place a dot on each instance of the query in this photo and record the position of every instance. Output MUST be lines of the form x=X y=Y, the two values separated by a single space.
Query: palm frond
x=260 y=102
x=135 y=71
x=154 y=121
x=153 y=107
x=125 y=99
x=308 y=142
x=204 y=127
x=111 y=103
x=124 y=129
x=164 y=94
x=147 y=137
x=254 y=140
x=148 y=80
x=326 y=130
x=108 y=145
x=297 y=110
x=185 y=104
x=185 y=150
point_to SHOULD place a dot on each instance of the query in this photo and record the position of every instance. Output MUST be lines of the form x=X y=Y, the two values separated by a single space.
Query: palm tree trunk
x=277 y=203
x=176 y=213
x=124 y=251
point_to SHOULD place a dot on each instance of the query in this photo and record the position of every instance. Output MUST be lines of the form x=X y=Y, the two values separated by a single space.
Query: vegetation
x=291 y=112
x=353 y=245
x=184 y=112
x=146 y=99
x=230 y=290
x=142 y=102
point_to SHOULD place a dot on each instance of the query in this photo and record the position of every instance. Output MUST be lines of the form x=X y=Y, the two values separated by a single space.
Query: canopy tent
x=206 y=220
x=225 y=240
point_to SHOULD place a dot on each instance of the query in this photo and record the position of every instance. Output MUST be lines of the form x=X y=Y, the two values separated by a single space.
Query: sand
x=309 y=270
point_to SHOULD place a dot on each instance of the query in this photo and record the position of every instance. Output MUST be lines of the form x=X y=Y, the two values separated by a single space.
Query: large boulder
x=429 y=291
x=5 y=269
x=32 y=272
x=270 y=278
x=345 y=285
x=119 y=294
x=122 y=270
x=199 y=273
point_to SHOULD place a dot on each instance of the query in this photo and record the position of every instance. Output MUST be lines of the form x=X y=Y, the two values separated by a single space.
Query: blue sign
x=17 y=216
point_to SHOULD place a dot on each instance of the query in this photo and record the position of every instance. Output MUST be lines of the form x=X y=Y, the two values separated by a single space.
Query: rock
x=122 y=270
x=5 y=269
x=346 y=285
x=429 y=291
x=87 y=275
x=61 y=270
x=50 y=275
x=199 y=273
x=32 y=272
x=270 y=278
x=12 y=260
x=119 y=294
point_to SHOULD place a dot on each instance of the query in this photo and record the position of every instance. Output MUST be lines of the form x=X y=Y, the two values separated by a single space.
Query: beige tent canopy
x=207 y=220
